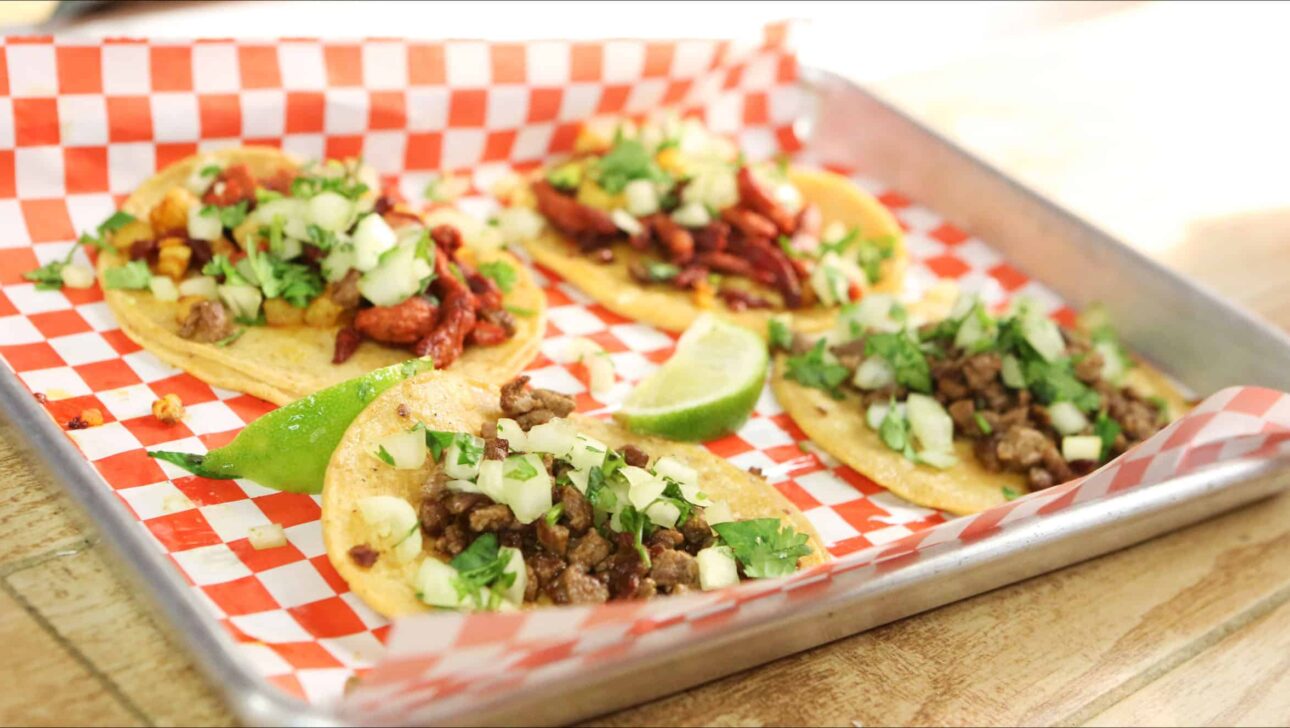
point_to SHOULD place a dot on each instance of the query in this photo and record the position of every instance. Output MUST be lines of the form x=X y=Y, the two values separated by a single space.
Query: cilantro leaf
x=437 y=441
x=982 y=424
x=470 y=449
x=1009 y=493
x=894 y=429
x=220 y=265
x=902 y=352
x=601 y=497
x=1107 y=429
x=48 y=277
x=479 y=566
x=780 y=335
x=1056 y=382
x=519 y=468
x=763 y=546
x=521 y=311
x=384 y=455
x=636 y=523
x=626 y=161
x=812 y=370
x=230 y=338
x=554 y=514
x=501 y=272
x=115 y=221
x=210 y=170
x=871 y=253
x=133 y=276
x=566 y=176
x=659 y=272
x=230 y=216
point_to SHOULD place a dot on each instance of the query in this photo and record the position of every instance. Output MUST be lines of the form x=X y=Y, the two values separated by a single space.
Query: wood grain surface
x=1190 y=628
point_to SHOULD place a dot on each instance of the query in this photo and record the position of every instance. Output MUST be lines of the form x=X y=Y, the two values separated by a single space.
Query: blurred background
x=1164 y=123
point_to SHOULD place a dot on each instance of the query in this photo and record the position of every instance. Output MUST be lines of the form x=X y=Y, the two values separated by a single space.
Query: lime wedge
x=706 y=389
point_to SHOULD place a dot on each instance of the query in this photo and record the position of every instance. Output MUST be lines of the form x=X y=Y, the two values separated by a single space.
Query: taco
x=258 y=274
x=966 y=411
x=548 y=507
x=667 y=222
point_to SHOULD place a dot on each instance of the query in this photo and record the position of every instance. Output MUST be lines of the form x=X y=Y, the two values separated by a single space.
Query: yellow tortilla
x=671 y=309
x=838 y=426
x=448 y=402
x=283 y=363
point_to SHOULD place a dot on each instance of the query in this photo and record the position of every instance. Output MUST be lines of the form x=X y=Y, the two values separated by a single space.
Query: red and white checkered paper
x=83 y=123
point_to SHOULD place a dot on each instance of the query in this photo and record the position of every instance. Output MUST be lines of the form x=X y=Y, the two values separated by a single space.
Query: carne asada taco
x=970 y=410
x=420 y=511
x=257 y=274
x=669 y=222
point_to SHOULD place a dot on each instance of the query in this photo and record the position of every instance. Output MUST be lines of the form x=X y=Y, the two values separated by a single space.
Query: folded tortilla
x=447 y=402
x=283 y=363
x=665 y=307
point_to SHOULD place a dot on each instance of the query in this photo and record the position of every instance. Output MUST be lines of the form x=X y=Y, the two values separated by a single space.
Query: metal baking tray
x=1169 y=320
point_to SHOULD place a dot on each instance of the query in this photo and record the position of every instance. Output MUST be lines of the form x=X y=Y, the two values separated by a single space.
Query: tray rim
x=256 y=701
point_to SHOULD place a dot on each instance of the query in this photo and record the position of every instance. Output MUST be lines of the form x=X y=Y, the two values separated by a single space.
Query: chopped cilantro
x=519 y=468
x=501 y=273
x=384 y=455
x=436 y=440
x=628 y=160
x=521 y=311
x=554 y=514
x=480 y=566
x=870 y=254
x=230 y=216
x=982 y=424
x=1009 y=493
x=1107 y=429
x=115 y=221
x=210 y=170
x=566 y=176
x=320 y=238
x=764 y=546
x=905 y=357
x=219 y=265
x=658 y=272
x=49 y=277
x=1056 y=382
x=780 y=335
x=894 y=430
x=132 y=276
x=1162 y=408
x=636 y=523
x=601 y=497
x=230 y=338
x=306 y=186
x=812 y=370
x=262 y=195
x=470 y=449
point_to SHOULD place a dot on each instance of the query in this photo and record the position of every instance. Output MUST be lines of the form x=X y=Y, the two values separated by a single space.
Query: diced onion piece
x=489 y=481
x=600 y=373
x=203 y=227
x=331 y=211
x=529 y=499
x=519 y=225
x=556 y=437
x=718 y=512
x=266 y=537
x=1043 y=335
x=1082 y=447
x=1067 y=418
x=293 y=211
x=626 y=222
x=410 y=547
x=930 y=423
x=389 y=519
x=291 y=248
x=197 y=183
x=435 y=584
x=642 y=197
x=713 y=186
x=832 y=277
x=1011 y=372
x=204 y=286
x=634 y=475
x=514 y=565
x=876 y=413
x=872 y=313
x=79 y=275
x=963 y=305
x=580 y=348
x=717 y=568
x=972 y=331
x=406 y=449
x=669 y=467
x=515 y=437
x=579 y=478
x=243 y=301
x=338 y=262
x=1113 y=367
x=465 y=486
x=874 y=373
x=691 y=215
x=587 y=452
x=453 y=465
x=396 y=276
x=663 y=514
x=163 y=289
x=938 y=458
x=372 y=237
x=646 y=492
x=834 y=232
x=787 y=195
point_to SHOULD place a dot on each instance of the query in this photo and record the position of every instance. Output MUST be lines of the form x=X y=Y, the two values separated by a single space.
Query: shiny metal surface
x=1168 y=319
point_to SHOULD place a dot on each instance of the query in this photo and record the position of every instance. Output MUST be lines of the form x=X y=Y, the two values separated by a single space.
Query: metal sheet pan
x=1170 y=320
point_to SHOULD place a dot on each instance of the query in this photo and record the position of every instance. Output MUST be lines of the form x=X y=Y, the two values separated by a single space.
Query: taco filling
x=1031 y=398
x=315 y=246
x=696 y=217
x=533 y=510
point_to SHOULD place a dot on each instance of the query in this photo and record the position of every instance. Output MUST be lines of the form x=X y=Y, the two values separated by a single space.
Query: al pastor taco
x=668 y=222
x=969 y=410
x=449 y=493
x=258 y=274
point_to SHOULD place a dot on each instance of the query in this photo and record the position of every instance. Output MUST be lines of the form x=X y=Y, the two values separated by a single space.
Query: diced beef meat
x=634 y=456
x=496 y=448
x=434 y=517
x=1023 y=447
x=207 y=322
x=575 y=586
x=672 y=568
x=553 y=537
x=345 y=291
x=589 y=550
x=493 y=517
x=530 y=407
x=666 y=538
x=697 y=532
x=578 y=513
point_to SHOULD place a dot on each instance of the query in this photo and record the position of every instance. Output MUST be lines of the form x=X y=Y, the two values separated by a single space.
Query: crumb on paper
x=89 y=417
x=41 y=398
x=176 y=502
x=168 y=409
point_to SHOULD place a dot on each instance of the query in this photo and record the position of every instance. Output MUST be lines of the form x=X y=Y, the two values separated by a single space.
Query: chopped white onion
x=515 y=437
x=489 y=480
x=519 y=225
x=646 y=492
x=1082 y=447
x=244 y=301
x=163 y=289
x=691 y=215
x=372 y=237
x=331 y=211
x=874 y=373
x=1043 y=335
x=79 y=275
x=641 y=197
x=389 y=519
x=626 y=222
x=587 y=452
x=454 y=466
x=203 y=286
x=203 y=227
x=663 y=514
x=876 y=413
x=270 y=536
x=931 y=425
x=717 y=568
x=1067 y=418
x=1011 y=372
x=436 y=584
x=669 y=467
x=556 y=437
x=406 y=449
x=514 y=565
x=718 y=512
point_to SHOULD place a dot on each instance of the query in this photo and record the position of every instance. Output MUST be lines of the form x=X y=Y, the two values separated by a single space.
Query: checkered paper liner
x=83 y=123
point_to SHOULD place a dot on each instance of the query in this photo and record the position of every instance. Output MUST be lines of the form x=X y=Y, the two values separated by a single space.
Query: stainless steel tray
x=1168 y=319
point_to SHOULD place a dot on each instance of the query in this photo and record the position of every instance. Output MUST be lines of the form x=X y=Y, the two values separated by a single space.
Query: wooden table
x=1193 y=627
